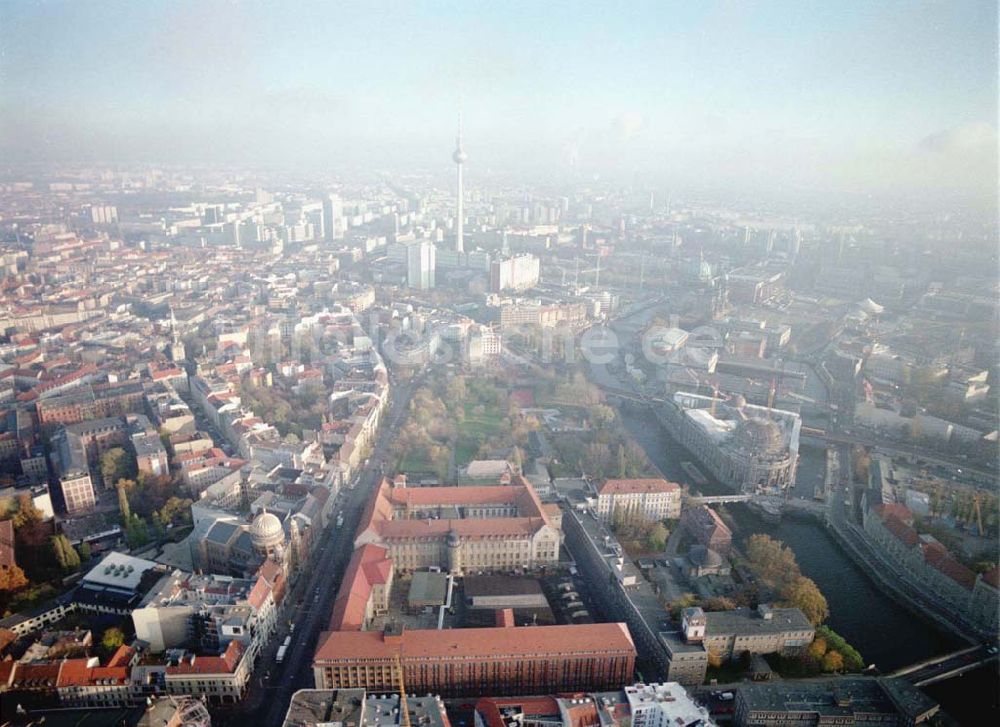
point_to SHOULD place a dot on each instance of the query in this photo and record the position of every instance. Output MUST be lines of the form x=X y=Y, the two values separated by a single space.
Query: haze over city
x=838 y=98
x=499 y=365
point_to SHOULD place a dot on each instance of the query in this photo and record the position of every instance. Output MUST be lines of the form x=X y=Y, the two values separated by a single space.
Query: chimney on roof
x=393 y=633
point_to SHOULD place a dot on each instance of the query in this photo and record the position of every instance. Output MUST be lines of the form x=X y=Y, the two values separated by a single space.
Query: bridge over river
x=946 y=666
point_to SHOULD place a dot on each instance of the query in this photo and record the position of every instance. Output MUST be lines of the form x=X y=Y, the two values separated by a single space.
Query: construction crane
x=404 y=710
x=977 y=510
x=717 y=396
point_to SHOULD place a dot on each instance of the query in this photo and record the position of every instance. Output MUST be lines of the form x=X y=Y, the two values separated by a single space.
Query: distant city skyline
x=888 y=97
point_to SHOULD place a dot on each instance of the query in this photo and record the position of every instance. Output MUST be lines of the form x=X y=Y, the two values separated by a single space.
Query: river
x=887 y=634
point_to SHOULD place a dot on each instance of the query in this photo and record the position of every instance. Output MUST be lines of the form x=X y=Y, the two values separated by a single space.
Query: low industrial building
x=117 y=584
x=846 y=700
x=764 y=630
x=495 y=592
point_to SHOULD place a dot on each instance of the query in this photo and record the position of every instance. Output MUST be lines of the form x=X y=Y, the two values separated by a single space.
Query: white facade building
x=420 y=265
x=662 y=705
x=652 y=499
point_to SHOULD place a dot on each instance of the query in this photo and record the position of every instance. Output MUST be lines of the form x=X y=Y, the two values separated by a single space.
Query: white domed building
x=267 y=535
x=227 y=545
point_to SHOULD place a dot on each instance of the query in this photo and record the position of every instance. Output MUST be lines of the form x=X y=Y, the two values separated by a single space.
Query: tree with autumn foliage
x=12 y=579
x=833 y=661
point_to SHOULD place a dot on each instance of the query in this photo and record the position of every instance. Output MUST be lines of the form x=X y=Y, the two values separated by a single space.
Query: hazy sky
x=864 y=95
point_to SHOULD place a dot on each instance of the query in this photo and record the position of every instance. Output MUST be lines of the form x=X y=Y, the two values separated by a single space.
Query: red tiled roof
x=225 y=664
x=104 y=674
x=258 y=593
x=377 y=510
x=706 y=519
x=74 y=672
x=270 y=571
x=37 y=675
x=479 y=643
x=938 y=557
x=488 y=708
x=7 y=637
x=378 y=515
x=584 y=714
x=450 y=496
x=894 y=509
x=901 y=531
x=369 y=566
x=78 y=673
x=622 y=487
x=123 y=654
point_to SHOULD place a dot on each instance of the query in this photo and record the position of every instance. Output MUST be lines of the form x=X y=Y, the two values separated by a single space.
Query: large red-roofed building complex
x=498 y=527
x=492 y=527
x=472 y=662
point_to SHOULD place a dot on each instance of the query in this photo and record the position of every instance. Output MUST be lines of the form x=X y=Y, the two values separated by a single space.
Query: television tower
x=459 y=158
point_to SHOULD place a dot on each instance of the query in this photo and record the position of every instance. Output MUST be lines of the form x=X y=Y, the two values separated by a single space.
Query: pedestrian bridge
x=719 y=499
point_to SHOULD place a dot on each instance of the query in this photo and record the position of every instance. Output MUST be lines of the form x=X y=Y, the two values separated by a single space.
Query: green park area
x=456 y=419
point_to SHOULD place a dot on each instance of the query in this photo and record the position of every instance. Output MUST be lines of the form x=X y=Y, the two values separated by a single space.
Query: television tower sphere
x=459 y=156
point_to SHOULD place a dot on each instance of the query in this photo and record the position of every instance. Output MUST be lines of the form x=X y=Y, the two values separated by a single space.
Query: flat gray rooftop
x=744 y=621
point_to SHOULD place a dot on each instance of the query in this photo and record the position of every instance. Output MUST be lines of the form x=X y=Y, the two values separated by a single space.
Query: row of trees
x=775 y=566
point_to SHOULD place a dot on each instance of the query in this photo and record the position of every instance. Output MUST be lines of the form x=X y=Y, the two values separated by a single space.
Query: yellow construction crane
x=404 y=711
